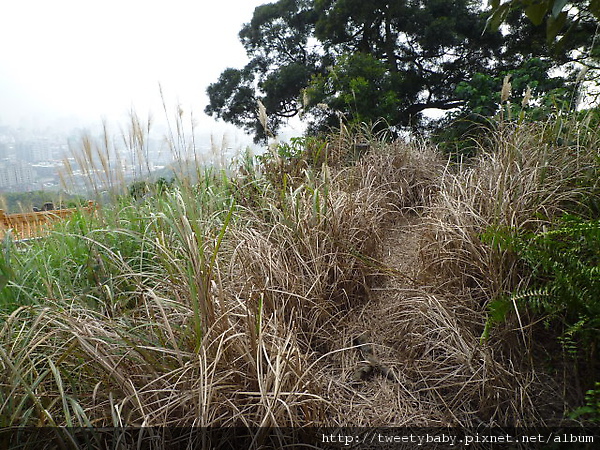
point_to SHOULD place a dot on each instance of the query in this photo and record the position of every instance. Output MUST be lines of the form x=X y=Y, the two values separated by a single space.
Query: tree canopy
x=554 y=13
x=373 y=60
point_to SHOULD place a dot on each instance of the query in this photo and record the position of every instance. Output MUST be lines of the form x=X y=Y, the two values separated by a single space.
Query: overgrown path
x=188 y=309
x=374 y=400
x=429 y=340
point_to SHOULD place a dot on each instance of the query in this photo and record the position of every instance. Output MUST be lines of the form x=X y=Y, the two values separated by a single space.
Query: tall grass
x=220 y=300
x=201 y=305
x=529 y=177
x=522 y=182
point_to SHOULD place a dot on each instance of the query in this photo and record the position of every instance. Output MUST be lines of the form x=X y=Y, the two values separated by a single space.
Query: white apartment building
x=16 y=173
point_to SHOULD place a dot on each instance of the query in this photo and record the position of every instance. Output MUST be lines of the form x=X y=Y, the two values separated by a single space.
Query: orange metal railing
x=35 y=224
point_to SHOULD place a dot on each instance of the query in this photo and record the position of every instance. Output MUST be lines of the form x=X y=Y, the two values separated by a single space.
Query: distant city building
x=7 y=145
x=17 y=174
x=36 y=150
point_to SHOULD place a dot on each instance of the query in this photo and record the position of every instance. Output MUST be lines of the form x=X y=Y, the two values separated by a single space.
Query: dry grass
x=234 y=301
x=192 y=310
x=444 y=377
x=522 y=182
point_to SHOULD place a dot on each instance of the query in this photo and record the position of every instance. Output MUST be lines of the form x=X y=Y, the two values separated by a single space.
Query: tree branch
x=439 y=104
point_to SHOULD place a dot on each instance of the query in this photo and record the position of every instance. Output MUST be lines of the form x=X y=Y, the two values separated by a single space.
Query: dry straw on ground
x=245 y=313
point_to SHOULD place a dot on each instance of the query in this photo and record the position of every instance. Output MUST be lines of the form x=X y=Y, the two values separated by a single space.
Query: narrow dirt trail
x=441 y=374
x=379 y=400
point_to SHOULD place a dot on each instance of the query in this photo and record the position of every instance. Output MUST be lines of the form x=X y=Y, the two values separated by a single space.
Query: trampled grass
x=217 y=302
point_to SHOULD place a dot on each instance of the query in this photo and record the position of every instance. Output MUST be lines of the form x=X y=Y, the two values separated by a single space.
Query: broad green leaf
x=554 y=25
x=536 y=12
x=595 y=8
x=498 y=16
x=557 y=7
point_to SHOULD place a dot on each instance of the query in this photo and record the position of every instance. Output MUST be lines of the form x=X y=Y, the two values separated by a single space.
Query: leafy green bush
x=142 y=188
x=591 y=410
x=17 y=202
x=564 y=263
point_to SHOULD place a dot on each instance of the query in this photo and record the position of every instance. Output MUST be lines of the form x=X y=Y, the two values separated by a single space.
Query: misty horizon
x=71 y=65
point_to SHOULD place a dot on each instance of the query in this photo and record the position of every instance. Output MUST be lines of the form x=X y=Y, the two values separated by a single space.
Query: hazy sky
x=88 y=59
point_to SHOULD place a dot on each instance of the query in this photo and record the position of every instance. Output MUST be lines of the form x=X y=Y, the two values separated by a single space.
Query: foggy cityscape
x=62 y=75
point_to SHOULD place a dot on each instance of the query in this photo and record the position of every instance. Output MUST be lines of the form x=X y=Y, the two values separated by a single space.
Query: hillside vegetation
x=237 y=300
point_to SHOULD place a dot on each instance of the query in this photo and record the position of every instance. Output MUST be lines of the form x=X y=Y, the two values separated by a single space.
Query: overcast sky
x=89 y=59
